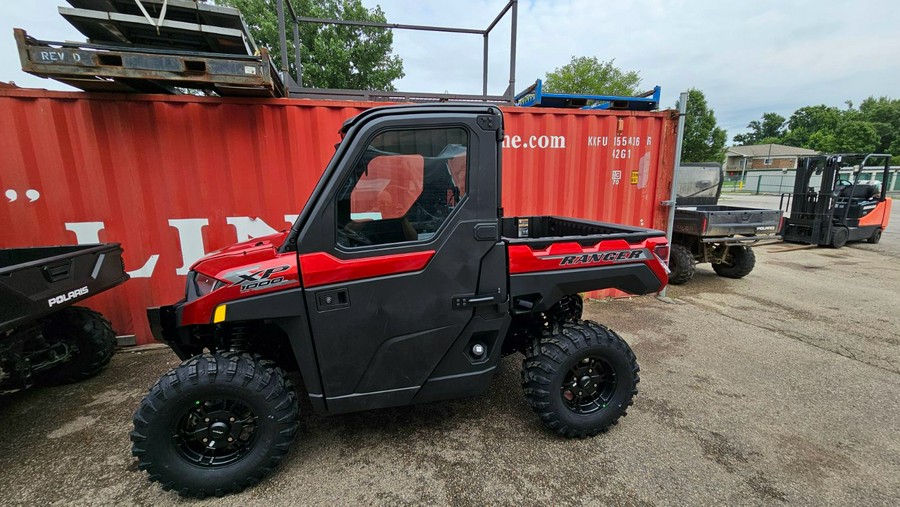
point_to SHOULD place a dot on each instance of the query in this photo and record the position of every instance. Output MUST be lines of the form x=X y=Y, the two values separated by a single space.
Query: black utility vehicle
x=43 y=338
x=705 y=231
x=400 y=282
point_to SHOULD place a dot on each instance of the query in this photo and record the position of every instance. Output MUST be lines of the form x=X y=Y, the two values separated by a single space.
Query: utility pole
x=682 y=111
x=743 y=170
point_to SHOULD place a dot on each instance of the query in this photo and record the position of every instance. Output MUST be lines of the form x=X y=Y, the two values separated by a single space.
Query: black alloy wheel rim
x=214 y=433
x=589 y=385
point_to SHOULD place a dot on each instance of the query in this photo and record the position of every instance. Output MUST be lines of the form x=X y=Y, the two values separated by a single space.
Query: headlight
x=205 y=284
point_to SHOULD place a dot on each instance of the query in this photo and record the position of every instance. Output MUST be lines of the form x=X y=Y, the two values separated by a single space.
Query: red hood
x=240 y=254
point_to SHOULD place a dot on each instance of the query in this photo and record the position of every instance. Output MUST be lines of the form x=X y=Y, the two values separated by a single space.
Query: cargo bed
x=35 y=282
x=541 y=231
x=734 y=224
x=550 y=256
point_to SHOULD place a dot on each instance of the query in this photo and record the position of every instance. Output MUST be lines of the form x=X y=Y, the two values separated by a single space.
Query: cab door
x=402 y=266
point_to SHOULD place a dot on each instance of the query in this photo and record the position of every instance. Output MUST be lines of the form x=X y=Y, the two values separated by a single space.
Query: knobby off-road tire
x=608 y=363
x=91 y=341
x=681 y=264
x=738 y=264
x=875 y=237
x=182 y=427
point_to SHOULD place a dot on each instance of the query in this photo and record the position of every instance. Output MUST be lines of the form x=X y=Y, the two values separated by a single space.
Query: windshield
x=699 y=184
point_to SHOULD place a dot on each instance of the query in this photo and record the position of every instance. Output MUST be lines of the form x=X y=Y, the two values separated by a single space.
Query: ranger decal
x=614 y=256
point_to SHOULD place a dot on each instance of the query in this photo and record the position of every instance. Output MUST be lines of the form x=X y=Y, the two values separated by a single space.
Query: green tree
x=333 y=56
x=587 y=75
x=856 y=137
x=808 y=120
x=894 y=149
x=873 y=127
x=822 y=140
x=764 y=131
x=704 y=140
x=884 y=114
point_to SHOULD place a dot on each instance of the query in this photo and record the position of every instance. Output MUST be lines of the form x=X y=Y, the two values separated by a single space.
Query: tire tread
x=244 y=369
x=101 y=340
x=744 y=262
x=682 y=264
x=546 y=356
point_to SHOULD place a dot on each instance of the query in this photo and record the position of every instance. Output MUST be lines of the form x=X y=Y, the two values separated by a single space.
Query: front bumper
x=164 y=327
x=162 y=321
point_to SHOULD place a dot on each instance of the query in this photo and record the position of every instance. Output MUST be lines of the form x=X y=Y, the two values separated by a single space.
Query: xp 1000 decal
x=256 y=278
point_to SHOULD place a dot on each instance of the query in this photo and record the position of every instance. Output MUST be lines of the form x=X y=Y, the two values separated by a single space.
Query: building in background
x=771 y=168
x=772 y=158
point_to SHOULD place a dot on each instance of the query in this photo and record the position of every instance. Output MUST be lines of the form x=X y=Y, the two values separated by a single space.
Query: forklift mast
x=804 y=200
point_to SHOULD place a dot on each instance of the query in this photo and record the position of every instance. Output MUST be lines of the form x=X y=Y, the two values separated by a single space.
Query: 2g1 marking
x=621 y=153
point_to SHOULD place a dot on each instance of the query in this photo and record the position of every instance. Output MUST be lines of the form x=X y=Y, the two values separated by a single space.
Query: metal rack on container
x=115 y=68
x=535 y=96
x=296 y=88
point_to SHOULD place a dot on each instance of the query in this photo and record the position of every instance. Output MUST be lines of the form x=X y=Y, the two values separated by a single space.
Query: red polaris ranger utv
x=400 y=282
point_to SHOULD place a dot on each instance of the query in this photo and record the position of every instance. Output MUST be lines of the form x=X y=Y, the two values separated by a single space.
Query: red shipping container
x=173 y=177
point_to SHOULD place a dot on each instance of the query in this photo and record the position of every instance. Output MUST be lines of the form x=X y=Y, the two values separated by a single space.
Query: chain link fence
x=776 y=184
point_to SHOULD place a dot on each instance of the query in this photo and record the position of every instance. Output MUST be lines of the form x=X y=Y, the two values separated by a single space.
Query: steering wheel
x=353 y=238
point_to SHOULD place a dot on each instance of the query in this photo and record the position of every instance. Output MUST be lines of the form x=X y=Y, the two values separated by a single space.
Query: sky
x=748 y=57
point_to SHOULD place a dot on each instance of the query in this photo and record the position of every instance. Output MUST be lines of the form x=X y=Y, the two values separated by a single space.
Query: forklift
x=841 y=210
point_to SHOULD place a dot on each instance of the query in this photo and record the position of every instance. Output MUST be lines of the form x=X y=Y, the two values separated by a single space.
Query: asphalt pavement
x=783 y=387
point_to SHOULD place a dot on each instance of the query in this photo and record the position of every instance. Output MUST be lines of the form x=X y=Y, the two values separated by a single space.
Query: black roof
x=439 y=107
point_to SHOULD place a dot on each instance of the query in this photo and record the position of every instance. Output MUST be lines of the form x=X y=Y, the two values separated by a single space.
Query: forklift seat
x=866 y=192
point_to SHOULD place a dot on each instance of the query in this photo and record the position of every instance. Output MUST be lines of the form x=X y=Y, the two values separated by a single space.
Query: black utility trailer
x=705 y=231
x=43 y=338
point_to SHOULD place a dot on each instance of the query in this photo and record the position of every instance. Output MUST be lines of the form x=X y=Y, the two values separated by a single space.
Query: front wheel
x=738 y=263
x=215 y=424
x=839 y=237
x=580 y=378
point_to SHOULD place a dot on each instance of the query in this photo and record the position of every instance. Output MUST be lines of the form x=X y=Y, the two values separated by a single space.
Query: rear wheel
x=738 y=263
x=580 y=378
x=875 y=237
x=216 y=424
x=681 y=264
x=839 y=237
x=86 y=336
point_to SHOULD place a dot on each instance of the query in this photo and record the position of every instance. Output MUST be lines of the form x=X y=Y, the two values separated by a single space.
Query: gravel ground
x=783 y=387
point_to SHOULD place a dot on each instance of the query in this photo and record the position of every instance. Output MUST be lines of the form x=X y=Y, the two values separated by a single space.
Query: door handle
x=486 y=232
x=467 y=301
x=332 y=299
